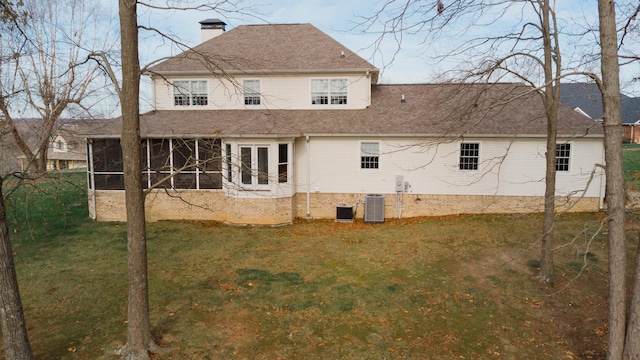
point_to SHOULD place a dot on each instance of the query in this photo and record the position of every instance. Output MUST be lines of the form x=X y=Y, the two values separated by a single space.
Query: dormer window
x=187 y=93
x=329 y=91
x=251 y=92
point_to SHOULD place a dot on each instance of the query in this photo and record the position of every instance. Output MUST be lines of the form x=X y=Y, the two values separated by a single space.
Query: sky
x=414 y=62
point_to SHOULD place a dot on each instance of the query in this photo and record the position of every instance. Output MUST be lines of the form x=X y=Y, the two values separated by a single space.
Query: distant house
x=66 y=150
x=263 y=124
x=586 y=98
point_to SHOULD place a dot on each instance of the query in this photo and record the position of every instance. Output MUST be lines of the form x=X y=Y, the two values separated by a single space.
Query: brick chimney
x=211 y=28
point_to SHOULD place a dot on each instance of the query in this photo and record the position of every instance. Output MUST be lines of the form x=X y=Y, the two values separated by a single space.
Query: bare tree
x=36 y=77
x=14 y=331
x=140 y=342
x=415 y=16
x=139 y=339
x=43 y=73
x=528 y=51
x=623 y=332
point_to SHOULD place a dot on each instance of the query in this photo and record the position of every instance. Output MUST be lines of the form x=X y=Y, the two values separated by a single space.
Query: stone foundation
x=197 y=205
x=216 y=206
x=323 y=206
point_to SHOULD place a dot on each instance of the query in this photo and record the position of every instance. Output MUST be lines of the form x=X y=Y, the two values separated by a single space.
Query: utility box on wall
x=374 y=208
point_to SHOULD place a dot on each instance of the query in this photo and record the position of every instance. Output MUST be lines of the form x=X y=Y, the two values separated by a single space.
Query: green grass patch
x=456 y=287
x=631 y=158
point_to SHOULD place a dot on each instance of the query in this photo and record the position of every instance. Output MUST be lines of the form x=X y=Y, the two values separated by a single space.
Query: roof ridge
x=273 y=24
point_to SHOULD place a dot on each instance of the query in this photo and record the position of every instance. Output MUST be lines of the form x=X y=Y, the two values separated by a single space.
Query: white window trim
x=329 y=104
x=258 y=94
x=190 y=94
x=459 y=155
x=288 y=163
x=571 y=152
x=254 y=167
x=379 y=168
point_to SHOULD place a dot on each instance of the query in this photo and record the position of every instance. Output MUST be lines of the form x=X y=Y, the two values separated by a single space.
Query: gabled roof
x=429 y=110
x=588 y=98
x=265 y=49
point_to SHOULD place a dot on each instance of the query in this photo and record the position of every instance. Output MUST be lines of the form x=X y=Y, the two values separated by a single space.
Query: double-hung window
x=229 y=162
x=469 y=156
x=369 y=155
x=563 y=157
x=329 y=91
x=187 y=93
x=254 y=166
x=251 y=92
x=283 y=163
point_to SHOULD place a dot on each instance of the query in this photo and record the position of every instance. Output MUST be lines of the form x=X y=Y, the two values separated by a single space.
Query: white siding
x=278 y=92
x=507 y=168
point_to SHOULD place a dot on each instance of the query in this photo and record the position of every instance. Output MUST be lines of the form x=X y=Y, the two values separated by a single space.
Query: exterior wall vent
x=374 y=208
x=344 y=213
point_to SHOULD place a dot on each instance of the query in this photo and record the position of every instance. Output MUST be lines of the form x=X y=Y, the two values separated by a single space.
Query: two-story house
x=266 y=123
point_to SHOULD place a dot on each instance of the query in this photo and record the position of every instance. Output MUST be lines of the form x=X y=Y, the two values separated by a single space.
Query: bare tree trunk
x=615 y=188
x=14 y=330
x=139 y=339
x=551 y=100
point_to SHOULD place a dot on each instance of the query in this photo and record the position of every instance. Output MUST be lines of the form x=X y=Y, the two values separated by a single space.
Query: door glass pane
x=245 y=166
x=263 y=165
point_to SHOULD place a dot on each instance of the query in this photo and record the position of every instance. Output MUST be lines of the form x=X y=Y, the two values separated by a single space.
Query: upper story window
x=190 y=93
x=251 y=92
x=369 y=155
x=59 y=146
x=329 y=91
x=469 y=156
x=563 y=155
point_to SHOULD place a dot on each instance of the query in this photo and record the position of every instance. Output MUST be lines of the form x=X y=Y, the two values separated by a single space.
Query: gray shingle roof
x=267 y=48
x=450 y=110
x=588 y=98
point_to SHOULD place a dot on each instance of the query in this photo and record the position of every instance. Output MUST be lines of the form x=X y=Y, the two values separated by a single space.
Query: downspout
x=91 y=180
x=603 y=182
x=308 y=177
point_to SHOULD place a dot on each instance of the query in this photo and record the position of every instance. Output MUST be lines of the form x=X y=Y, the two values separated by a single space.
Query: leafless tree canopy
x=43 y=73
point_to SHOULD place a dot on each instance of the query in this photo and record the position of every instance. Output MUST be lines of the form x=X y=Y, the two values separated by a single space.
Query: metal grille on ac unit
x=374 y=208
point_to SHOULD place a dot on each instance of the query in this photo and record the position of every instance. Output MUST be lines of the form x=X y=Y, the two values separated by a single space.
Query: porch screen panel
x=210 y=163
x=159 y=152
x=184 y=160
x=107 y=164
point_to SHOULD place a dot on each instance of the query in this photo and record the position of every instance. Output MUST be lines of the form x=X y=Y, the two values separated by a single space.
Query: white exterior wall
x=433 y=168
x=278 y=92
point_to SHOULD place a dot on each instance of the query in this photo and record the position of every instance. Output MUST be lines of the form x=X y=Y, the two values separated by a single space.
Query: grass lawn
x=424 y=288
x=631 y=156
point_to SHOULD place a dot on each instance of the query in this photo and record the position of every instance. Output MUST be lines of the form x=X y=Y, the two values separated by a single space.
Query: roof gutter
x=263 y=72
x=360 y=135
